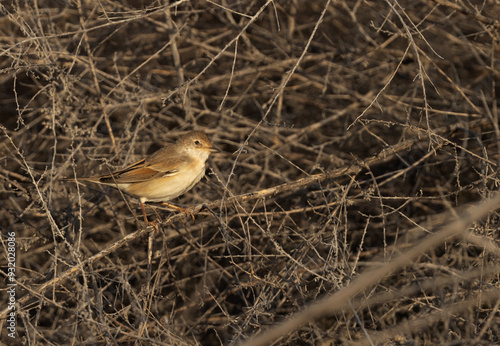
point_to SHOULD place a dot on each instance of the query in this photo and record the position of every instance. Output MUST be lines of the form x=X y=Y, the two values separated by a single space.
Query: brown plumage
x=165 y=174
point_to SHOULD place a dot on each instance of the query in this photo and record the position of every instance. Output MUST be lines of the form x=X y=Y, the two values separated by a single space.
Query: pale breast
x=168 y=187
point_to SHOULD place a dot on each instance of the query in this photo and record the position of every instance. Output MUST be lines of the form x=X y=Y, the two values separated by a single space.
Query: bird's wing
x=163 y=161
x=154 y=166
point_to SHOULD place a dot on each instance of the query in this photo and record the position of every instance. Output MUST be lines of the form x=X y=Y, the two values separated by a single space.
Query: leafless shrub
x=350 y=132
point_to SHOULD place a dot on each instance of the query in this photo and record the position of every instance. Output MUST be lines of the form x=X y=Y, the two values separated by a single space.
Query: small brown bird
x=165 y=174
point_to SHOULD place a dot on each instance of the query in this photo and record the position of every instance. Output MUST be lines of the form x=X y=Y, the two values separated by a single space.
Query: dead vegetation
x=353 y=136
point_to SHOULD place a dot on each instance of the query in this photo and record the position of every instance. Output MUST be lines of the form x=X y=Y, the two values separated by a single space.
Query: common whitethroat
x=163 y=175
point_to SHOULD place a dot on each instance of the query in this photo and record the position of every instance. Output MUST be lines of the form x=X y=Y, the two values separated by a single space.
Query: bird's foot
x=187 y=211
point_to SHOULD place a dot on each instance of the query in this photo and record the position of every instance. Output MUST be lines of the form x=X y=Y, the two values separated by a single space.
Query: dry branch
x=357 y=126
x=340 y=300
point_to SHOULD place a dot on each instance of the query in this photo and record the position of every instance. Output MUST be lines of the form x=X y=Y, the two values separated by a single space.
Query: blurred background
x=388 y=109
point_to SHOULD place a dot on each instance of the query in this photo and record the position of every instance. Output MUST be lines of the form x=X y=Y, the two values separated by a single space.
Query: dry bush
x=349 y=132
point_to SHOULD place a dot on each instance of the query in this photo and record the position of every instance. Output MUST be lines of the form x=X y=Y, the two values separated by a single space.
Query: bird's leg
x=153 y=223
x=183 y=210
x=144 y=213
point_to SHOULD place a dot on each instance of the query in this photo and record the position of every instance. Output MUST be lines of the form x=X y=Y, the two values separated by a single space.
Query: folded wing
x=143 y=170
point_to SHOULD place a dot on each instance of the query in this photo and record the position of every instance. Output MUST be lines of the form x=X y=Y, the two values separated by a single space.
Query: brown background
x=392 y=104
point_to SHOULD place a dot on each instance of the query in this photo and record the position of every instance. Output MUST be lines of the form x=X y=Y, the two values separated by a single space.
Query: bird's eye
x=197 y=142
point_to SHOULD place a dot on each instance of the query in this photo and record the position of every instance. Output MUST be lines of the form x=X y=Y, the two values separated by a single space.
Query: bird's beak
x=213 y=150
